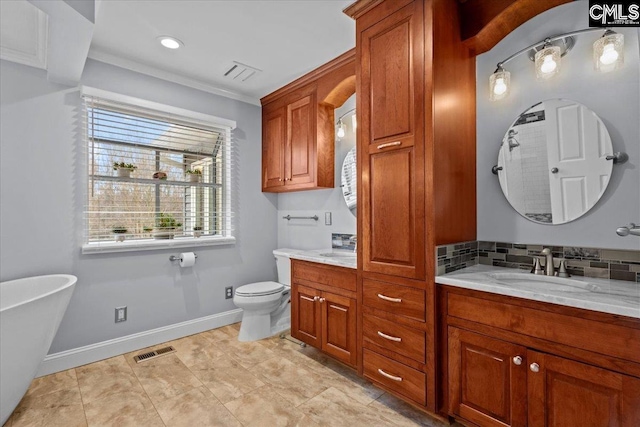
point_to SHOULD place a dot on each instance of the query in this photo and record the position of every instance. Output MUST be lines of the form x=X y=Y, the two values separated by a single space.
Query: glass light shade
x=548 y=62
x=608 y=52
x=499 y=85
x=354 y=122
x=341 y=132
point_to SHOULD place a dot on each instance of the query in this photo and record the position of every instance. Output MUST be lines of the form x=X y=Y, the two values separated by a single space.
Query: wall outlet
x=121 y=314
x=228 y=292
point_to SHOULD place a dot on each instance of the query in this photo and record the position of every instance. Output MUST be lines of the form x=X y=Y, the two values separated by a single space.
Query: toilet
x=266 y=305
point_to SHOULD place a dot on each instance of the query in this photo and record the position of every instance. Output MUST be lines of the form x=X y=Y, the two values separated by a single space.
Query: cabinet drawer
x=395 y=376
x=337 y=277
x=391 y=336
x=396 y=299
x=599 y=337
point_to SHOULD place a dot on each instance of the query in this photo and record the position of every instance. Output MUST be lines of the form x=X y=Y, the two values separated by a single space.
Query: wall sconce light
x=608 y=55
x=341 y=132
x=608 y=52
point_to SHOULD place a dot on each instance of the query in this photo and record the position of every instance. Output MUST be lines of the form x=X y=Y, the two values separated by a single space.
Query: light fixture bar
x=549 y=40
x=348 y=112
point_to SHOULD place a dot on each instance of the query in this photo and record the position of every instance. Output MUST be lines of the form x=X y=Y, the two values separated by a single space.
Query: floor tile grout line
x=84 y=411
x=146 y=393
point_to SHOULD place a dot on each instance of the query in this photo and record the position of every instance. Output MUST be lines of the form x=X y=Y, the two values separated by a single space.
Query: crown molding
x=169 y=76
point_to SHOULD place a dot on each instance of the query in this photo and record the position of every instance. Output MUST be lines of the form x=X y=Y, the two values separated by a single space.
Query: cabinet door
x=305 y=310
x=567 y=393
x=392 y=145
x=273 y=138
x=300 y=151
x=487 y=384
x=339 y=327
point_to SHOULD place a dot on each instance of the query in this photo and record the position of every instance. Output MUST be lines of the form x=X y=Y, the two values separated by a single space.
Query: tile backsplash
x=456 y=256
x=343 y=241
x=589 y=262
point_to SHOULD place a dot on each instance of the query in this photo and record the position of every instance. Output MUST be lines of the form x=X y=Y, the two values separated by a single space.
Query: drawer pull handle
x=386 y=298
x=338 y=308
x=389 y=337
x=307 y=298
x=389 y=144
x=391 y=377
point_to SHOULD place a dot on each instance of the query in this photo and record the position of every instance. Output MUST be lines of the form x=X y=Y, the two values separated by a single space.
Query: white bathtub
x=30 y=312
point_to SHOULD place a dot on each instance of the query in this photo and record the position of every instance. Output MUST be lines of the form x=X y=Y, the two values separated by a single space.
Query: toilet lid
x=260 y=289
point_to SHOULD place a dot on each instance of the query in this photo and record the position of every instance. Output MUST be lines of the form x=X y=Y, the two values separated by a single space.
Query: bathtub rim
x=71 y=281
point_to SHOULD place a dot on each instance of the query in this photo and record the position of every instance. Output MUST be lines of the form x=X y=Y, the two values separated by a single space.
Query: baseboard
x=103 y=350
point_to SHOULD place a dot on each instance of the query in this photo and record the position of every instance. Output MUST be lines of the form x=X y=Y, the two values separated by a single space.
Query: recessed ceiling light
x=170 y=42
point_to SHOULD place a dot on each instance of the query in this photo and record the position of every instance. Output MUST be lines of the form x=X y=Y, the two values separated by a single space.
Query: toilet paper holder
x=177 y=258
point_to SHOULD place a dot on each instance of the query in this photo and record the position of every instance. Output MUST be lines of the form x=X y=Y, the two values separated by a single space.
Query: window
x=158 y=176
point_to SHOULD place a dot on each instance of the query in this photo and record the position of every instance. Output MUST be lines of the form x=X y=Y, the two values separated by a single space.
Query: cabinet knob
x=322 y=300
x=517 y=360
x=280 y=179
x=316 y=298
x=534 y=367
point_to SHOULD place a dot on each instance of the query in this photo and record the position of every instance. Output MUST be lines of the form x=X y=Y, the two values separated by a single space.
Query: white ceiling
x=284 y=39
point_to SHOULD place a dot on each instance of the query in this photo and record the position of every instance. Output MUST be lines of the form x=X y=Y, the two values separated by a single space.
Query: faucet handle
x=562 y=270
x=537 y=267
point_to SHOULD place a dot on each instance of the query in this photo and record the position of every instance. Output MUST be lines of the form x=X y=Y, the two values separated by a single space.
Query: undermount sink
x=339 y=254
x=545 y=283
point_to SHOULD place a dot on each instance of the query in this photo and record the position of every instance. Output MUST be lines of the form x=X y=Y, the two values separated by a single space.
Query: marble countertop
x=341 y=258
x=608 y=296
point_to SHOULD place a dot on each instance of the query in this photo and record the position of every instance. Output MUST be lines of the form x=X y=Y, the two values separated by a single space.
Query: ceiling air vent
x=240 y=72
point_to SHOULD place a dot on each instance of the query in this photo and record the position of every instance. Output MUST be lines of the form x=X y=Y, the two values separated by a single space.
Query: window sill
x=151 y=245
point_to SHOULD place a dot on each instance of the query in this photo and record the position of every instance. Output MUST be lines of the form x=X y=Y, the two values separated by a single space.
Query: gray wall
x=308 y=234
x=615 y=97
x=42 y=196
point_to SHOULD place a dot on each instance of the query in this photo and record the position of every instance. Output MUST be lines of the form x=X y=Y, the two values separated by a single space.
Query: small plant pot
x=163 y=233
x=194 y=177
x=197 y=234
x=119 y=237
x=124 y=172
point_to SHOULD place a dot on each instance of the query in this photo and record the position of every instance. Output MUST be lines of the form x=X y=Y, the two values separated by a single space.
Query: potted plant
x=197 y=231
x=195 y=175
x=124 y=169
x=160 y=175
x=165 y=226
x=147 y=229
x=119 y=231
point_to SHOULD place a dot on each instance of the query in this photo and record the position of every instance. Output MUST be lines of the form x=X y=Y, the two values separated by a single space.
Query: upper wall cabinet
x=298 y=128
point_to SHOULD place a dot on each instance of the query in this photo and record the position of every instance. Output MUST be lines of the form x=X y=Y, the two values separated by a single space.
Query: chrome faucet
x=548 y=267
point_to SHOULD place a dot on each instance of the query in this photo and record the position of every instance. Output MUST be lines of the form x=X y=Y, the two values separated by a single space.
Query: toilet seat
x=260 y=289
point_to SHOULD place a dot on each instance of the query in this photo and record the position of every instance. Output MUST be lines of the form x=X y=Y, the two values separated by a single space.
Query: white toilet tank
x=284 y=265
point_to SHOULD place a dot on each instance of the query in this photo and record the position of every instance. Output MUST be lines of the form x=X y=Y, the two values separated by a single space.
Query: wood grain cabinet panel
x=306 y=319
x=339 y=327
x=486 y=386
x=402 y=300
x=273 y=159
x=395 y=376
x=300 y=145
x=409 y=342
x=566 y=393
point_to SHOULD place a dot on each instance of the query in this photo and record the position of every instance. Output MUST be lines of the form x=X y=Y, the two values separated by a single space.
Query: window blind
x=154 y=175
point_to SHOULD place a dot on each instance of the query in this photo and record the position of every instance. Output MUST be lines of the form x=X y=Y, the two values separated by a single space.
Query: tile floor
x=214 y=380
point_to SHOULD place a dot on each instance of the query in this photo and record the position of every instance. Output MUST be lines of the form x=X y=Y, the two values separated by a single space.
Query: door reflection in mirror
x=555 y=170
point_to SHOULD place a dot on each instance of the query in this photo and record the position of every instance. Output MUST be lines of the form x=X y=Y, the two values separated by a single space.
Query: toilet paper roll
x=187 y=259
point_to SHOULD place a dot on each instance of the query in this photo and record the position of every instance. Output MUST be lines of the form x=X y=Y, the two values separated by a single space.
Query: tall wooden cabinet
x=416 y=155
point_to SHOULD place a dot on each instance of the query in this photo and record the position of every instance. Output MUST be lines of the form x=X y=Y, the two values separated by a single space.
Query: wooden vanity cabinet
x=523 y=363
x=323 y=308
